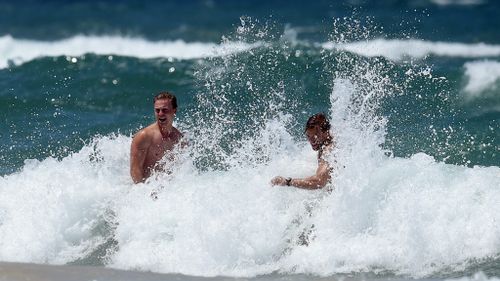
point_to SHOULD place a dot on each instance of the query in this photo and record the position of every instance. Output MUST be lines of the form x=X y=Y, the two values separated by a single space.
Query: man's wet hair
x=166 y=96
x=318 y=119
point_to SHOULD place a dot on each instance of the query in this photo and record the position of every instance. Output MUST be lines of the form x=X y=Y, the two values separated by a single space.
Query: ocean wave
x=398 y=50
x=412 y=216
x=18 y=51
x=482 y=76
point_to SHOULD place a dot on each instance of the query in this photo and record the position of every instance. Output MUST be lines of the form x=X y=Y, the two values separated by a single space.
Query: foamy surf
x=17 y=51
x=410 y=216
x=401 y=49
x=482 y=76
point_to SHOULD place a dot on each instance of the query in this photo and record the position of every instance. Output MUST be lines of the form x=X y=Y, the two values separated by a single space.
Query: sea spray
x=242 y=93
x=54 y=209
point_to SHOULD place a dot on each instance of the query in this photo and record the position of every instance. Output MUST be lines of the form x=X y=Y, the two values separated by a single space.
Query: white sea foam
x=397 y=49
x=17 y=51
x=482 y=76
x=408 y=215
x=50 y=208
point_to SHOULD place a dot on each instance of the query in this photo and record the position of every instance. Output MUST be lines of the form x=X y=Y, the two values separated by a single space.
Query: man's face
x=316 y=137
x=164 y=112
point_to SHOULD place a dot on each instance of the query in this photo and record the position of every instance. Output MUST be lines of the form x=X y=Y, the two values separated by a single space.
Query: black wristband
x=288 y=181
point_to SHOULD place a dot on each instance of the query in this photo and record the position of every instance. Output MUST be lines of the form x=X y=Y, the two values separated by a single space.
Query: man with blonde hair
x=150 y=144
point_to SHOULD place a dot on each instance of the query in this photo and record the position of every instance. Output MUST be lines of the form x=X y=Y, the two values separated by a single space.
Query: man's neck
x=324 y=145
x=166 y=129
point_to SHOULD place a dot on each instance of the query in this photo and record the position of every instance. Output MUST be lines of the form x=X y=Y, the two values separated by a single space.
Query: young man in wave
x=150 y=144
x=318 y=134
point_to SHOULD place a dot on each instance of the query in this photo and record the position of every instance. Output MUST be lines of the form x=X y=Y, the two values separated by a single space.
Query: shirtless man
x=151 y=143
x=318 y=135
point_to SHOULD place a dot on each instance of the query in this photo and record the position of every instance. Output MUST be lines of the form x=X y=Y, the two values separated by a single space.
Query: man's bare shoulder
x=149 y=130
x=145 y=134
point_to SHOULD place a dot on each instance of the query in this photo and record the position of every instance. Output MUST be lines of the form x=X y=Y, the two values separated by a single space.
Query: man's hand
x=279 y=180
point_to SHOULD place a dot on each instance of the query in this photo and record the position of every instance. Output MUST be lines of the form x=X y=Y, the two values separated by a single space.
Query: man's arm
x=138 y=152
x=317 y=181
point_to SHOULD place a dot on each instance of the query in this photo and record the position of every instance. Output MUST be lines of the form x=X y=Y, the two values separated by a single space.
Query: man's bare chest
x=158 y=148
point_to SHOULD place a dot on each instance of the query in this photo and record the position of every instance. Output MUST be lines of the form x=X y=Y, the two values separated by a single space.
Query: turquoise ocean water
x=411 y=87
